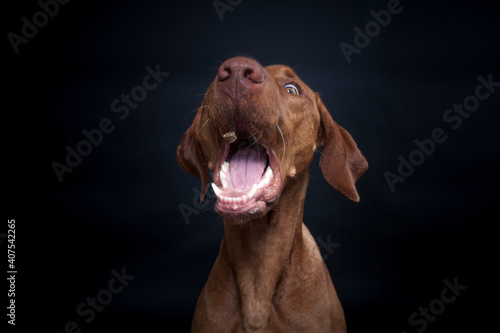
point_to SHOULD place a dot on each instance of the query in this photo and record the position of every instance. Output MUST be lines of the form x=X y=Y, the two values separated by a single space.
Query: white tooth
x=225 y=167
x=223 y=199
x=264 y=182
x=223 y=179
x=269 y=173
x=268 y=177
x=252 y=191
x=223 y=174
x=244 y=198
x=217 y=191
x=237 y=201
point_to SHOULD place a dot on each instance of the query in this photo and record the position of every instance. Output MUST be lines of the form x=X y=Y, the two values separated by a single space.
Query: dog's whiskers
x=284 y=144
x=256 y=138
x=201 y=127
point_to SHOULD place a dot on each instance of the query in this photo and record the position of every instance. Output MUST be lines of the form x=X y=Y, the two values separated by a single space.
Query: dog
x=256 y=133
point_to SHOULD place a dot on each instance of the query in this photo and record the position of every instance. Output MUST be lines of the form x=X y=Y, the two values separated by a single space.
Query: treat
x=230 y=137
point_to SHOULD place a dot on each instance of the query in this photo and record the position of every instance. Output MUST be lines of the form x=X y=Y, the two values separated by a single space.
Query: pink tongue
x=246 y=167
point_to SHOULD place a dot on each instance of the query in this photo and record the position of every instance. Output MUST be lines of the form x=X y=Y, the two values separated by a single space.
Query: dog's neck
x=261 y=249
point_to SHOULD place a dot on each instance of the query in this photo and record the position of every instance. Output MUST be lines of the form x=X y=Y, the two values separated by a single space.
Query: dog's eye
x=291 y=89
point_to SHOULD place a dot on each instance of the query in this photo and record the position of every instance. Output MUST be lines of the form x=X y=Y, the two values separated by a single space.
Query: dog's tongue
x=247 y=166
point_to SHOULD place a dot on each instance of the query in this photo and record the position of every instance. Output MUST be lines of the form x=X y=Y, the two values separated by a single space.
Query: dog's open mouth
x=246 y=178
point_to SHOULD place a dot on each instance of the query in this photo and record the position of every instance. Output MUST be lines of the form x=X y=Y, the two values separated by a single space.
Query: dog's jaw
x=246 y=180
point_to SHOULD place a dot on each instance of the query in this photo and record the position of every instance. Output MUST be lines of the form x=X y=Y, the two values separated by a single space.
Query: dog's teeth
x=217 y=191
x=244 y=198
x=267 y=178
x=225 y=167
x=223 y=174
x=223 y=179
x=264 y=182
x=269 y=172
x=252 y=191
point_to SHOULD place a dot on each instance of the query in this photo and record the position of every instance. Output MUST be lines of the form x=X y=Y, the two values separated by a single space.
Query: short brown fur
x=269 y=275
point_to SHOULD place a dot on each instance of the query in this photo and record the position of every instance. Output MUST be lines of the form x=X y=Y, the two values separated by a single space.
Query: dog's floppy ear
x=341 y=162
x=190 y=157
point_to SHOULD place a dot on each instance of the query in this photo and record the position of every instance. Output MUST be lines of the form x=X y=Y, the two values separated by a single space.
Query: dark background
x=120 y=207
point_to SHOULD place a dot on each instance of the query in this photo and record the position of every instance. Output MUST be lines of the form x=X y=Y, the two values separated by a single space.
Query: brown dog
x=257 y=131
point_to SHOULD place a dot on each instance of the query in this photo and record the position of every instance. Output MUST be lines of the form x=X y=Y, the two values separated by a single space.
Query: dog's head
x=257 y=129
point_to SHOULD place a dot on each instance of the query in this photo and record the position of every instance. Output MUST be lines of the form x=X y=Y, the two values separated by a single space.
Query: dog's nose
x=239 y=75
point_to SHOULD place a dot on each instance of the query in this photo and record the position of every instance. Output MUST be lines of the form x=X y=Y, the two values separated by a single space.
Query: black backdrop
x=126 y=209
